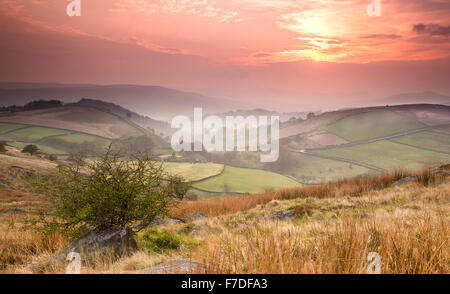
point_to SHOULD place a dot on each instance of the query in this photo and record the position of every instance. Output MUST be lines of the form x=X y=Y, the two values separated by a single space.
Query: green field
x=432 y=140
x=43 y=148
x=33 y=134
x=9 y=127
x=50 y=140
x=73 y=142
x=389 y=155
x=193 y=171
x=243 y=180
x=371 y=125
x=312 y=170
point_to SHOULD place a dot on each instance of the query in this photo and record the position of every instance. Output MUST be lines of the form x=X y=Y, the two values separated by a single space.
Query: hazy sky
x=268 y=50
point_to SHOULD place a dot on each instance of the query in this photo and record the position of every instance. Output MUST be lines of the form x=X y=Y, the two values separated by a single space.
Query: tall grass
x=418 y=247
x=18 y=247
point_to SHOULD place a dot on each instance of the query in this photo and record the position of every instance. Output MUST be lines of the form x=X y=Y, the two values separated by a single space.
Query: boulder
x=17 y=210
x=282 y=215
x=441 y=173
x=405 y=181
x=111 y=239
x=196 y=215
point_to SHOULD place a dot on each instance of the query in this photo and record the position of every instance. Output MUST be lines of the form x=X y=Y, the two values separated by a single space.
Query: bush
x=2 y=146
x=52 y=157
x=110 y=191
x=31 y=149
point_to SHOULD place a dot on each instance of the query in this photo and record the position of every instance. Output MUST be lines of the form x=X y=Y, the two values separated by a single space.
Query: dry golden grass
x=336 y=226
x=409 y=229
x=346 y=187
x=19 y=248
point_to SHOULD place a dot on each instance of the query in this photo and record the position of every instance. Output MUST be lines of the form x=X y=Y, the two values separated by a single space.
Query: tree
x=111 y=191
x=310 y=115
x=2 y=146
x=31 y=149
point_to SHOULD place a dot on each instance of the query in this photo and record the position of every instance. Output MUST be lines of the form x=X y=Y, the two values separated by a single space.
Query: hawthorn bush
x=112 y=191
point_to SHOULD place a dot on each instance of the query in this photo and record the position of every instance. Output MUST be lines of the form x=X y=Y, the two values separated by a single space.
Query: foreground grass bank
x=332 y=229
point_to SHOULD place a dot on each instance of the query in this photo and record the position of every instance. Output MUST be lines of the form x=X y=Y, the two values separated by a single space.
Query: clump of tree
x=110 y=191
x=30 y=149
x=310 y=115
x=2 y=146
x=33 y=105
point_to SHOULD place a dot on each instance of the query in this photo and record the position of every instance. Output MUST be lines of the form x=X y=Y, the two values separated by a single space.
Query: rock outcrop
x=112 y=239
x=405 y=181
x=282 y=215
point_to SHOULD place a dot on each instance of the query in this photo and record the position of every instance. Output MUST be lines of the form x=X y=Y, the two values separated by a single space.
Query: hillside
x=364 y=141
x=141 y=120
x=414 y=98
x=77 y=118
x=156 y=102
x=58 y=130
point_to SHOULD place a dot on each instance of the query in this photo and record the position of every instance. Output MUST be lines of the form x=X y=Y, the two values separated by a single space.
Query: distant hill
x=285 y=116
x=154 y=101
x=415 y=98
x=428 y=114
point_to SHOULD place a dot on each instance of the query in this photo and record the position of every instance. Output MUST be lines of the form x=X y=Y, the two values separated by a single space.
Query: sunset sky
x=241 y=49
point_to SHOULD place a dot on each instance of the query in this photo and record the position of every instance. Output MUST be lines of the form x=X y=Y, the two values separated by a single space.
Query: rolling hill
x=60 y=130
x=367 y=140
x=154 y=101
x=141 y=120
x=414 y=98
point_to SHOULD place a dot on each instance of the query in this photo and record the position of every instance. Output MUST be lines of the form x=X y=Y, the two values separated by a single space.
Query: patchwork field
x=428 y=114
x=313 y=170
x=372 y=124
x=4 y=128
x=445 y=130
x=193 y=171
x=430 y=140
x=389 y=155
x=243 y=180
x=43 y=148
x=33 y=134
x=49 y=140
x=81 y=119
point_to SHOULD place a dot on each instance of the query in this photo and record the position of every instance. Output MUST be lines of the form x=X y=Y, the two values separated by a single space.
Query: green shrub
x=2 y=146
x=31 y=149
x=110 y=191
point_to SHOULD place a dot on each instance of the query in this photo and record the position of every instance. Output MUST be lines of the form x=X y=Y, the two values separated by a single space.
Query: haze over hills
x=163 y=103
x=157 y=102
x=414 y=98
